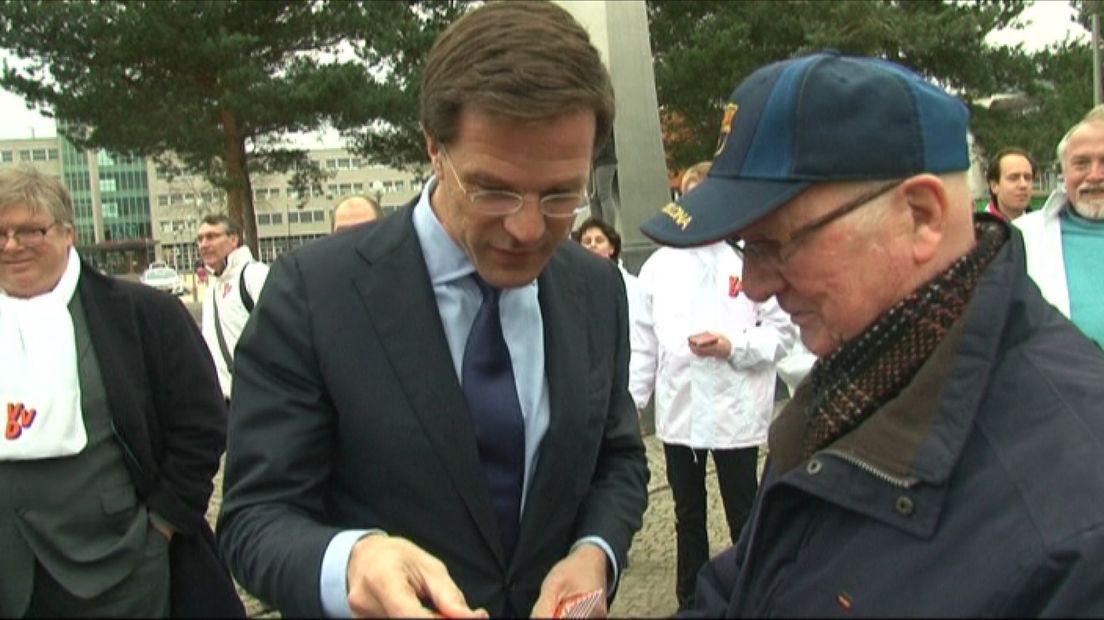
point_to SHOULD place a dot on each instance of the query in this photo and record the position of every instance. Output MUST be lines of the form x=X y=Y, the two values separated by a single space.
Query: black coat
x=169 y=417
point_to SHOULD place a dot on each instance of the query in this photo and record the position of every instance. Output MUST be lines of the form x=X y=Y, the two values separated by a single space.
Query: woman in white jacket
x=710 y=359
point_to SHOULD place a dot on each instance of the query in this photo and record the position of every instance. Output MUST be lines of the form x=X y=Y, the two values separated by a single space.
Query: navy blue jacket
x=976 y=492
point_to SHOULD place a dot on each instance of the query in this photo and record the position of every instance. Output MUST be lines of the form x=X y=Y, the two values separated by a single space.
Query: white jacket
x=1042 y=233
x=707 y=402
x=231 y=311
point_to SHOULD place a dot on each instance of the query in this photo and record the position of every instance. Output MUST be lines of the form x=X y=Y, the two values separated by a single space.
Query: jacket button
x=905 y=506
x=813 y=467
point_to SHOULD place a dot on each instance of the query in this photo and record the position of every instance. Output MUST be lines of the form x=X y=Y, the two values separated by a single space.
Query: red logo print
x=734 y=286
x=19 y=418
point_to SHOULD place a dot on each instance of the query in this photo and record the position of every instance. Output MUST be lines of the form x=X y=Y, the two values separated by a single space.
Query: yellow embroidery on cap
x=726 y=127
x=677 y=214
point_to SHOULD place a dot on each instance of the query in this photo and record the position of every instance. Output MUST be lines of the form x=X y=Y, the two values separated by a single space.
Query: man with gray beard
x=1065 y=239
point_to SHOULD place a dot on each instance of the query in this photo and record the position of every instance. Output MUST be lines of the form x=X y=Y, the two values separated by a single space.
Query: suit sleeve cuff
x=335 y=565
x=611 y=585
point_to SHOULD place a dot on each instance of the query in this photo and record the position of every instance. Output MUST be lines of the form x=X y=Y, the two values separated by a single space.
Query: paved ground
x=648 y=585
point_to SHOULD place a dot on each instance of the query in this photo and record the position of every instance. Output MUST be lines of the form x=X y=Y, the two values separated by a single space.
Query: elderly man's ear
x=927 y=200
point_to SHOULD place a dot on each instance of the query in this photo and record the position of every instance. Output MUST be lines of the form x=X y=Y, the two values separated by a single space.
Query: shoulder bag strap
x=246 y=297
x=218 y=333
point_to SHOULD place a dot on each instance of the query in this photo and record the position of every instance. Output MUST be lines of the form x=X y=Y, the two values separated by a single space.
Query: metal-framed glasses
x=775 y=255
x=498 y=202
x=27 y=236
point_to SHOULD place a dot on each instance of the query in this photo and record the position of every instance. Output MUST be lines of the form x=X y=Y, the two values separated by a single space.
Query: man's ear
x=433 y=150
x=928 y=206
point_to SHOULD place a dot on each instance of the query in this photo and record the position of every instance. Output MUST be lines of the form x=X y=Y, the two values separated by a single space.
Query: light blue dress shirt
x=458 y=300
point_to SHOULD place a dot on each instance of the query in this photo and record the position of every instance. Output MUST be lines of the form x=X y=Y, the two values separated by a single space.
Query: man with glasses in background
x=113 y=432
x=234 y=281
x=431 y=413
x=942 y=456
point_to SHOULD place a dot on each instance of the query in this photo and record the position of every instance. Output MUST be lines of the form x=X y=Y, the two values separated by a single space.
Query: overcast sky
x=1045 y=21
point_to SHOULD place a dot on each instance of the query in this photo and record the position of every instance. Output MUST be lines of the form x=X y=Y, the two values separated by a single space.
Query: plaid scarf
x=862 y=375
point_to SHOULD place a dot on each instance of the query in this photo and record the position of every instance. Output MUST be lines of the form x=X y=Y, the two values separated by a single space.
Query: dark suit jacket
x=169 y=417
x=347 y=413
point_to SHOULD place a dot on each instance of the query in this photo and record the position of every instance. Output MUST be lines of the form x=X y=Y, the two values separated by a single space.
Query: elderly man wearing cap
x=942 y=457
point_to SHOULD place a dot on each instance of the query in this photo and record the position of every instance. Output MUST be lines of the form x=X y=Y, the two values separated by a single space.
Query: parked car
x=164 y=279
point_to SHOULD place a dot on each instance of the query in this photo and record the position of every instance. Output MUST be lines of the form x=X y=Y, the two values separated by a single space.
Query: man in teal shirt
x=1065 y=240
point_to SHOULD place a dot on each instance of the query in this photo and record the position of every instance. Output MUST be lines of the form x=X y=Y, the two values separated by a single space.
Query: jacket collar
x=906 y=452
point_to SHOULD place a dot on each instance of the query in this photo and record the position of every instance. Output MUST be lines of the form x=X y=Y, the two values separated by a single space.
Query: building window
x=264 y=219
x=24 y=155
x=110 y=208
x=52 y=154
x=277 y=218
x=104 y=158
x=107 y=184
x=293 y=217
x=5 y=156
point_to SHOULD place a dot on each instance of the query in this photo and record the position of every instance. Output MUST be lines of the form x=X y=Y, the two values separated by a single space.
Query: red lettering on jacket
x=734 y=286
x=19 y=418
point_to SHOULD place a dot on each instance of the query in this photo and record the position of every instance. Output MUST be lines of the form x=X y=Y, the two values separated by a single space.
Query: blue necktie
x=488 y=380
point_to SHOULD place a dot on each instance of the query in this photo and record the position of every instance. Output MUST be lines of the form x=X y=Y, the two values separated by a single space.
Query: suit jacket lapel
x=565 y=336
x=399 y=298
x=111 y=327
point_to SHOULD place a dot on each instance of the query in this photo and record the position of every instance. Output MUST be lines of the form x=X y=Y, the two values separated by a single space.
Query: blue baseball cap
x=812 y=119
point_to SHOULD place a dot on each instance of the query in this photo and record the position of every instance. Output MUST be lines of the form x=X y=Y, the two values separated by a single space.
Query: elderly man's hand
x=390 y=577
x=582 y=571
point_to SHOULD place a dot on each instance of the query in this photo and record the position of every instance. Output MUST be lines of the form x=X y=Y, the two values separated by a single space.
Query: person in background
x=234 y=282
x=431 y=415
x=941 y=458
x=115 y=425
x=355 y=210
x=1065 y=240
x=599 y=237
x=1010 y=174
x=710 y=360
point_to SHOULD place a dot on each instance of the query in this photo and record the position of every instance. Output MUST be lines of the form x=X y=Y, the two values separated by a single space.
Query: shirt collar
x=445 y=259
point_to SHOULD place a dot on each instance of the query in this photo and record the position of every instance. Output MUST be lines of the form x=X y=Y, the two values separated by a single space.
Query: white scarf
x=39 y=385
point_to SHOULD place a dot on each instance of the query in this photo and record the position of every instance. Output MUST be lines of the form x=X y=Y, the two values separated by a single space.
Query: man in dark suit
x=114 y=430
x=430 y=412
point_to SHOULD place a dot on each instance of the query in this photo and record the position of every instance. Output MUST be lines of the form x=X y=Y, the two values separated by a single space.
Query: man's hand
x=710 y=344
x=583 y=570
x=394 y=578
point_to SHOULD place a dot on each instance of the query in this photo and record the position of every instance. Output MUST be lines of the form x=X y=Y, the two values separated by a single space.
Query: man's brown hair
x=521 y=60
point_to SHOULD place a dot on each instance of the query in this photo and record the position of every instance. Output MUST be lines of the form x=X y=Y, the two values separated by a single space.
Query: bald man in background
x=355 y=210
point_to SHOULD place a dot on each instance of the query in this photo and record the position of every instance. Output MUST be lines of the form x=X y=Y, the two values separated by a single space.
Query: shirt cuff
x=611 y=585
x=335 y=566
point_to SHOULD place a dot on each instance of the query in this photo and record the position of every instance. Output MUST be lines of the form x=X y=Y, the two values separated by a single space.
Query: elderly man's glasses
x=501 y=203
x=775 y=255
x=28 y=237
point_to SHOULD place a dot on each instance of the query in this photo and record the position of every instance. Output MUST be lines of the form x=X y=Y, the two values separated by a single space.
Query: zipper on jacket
x=903 y=483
